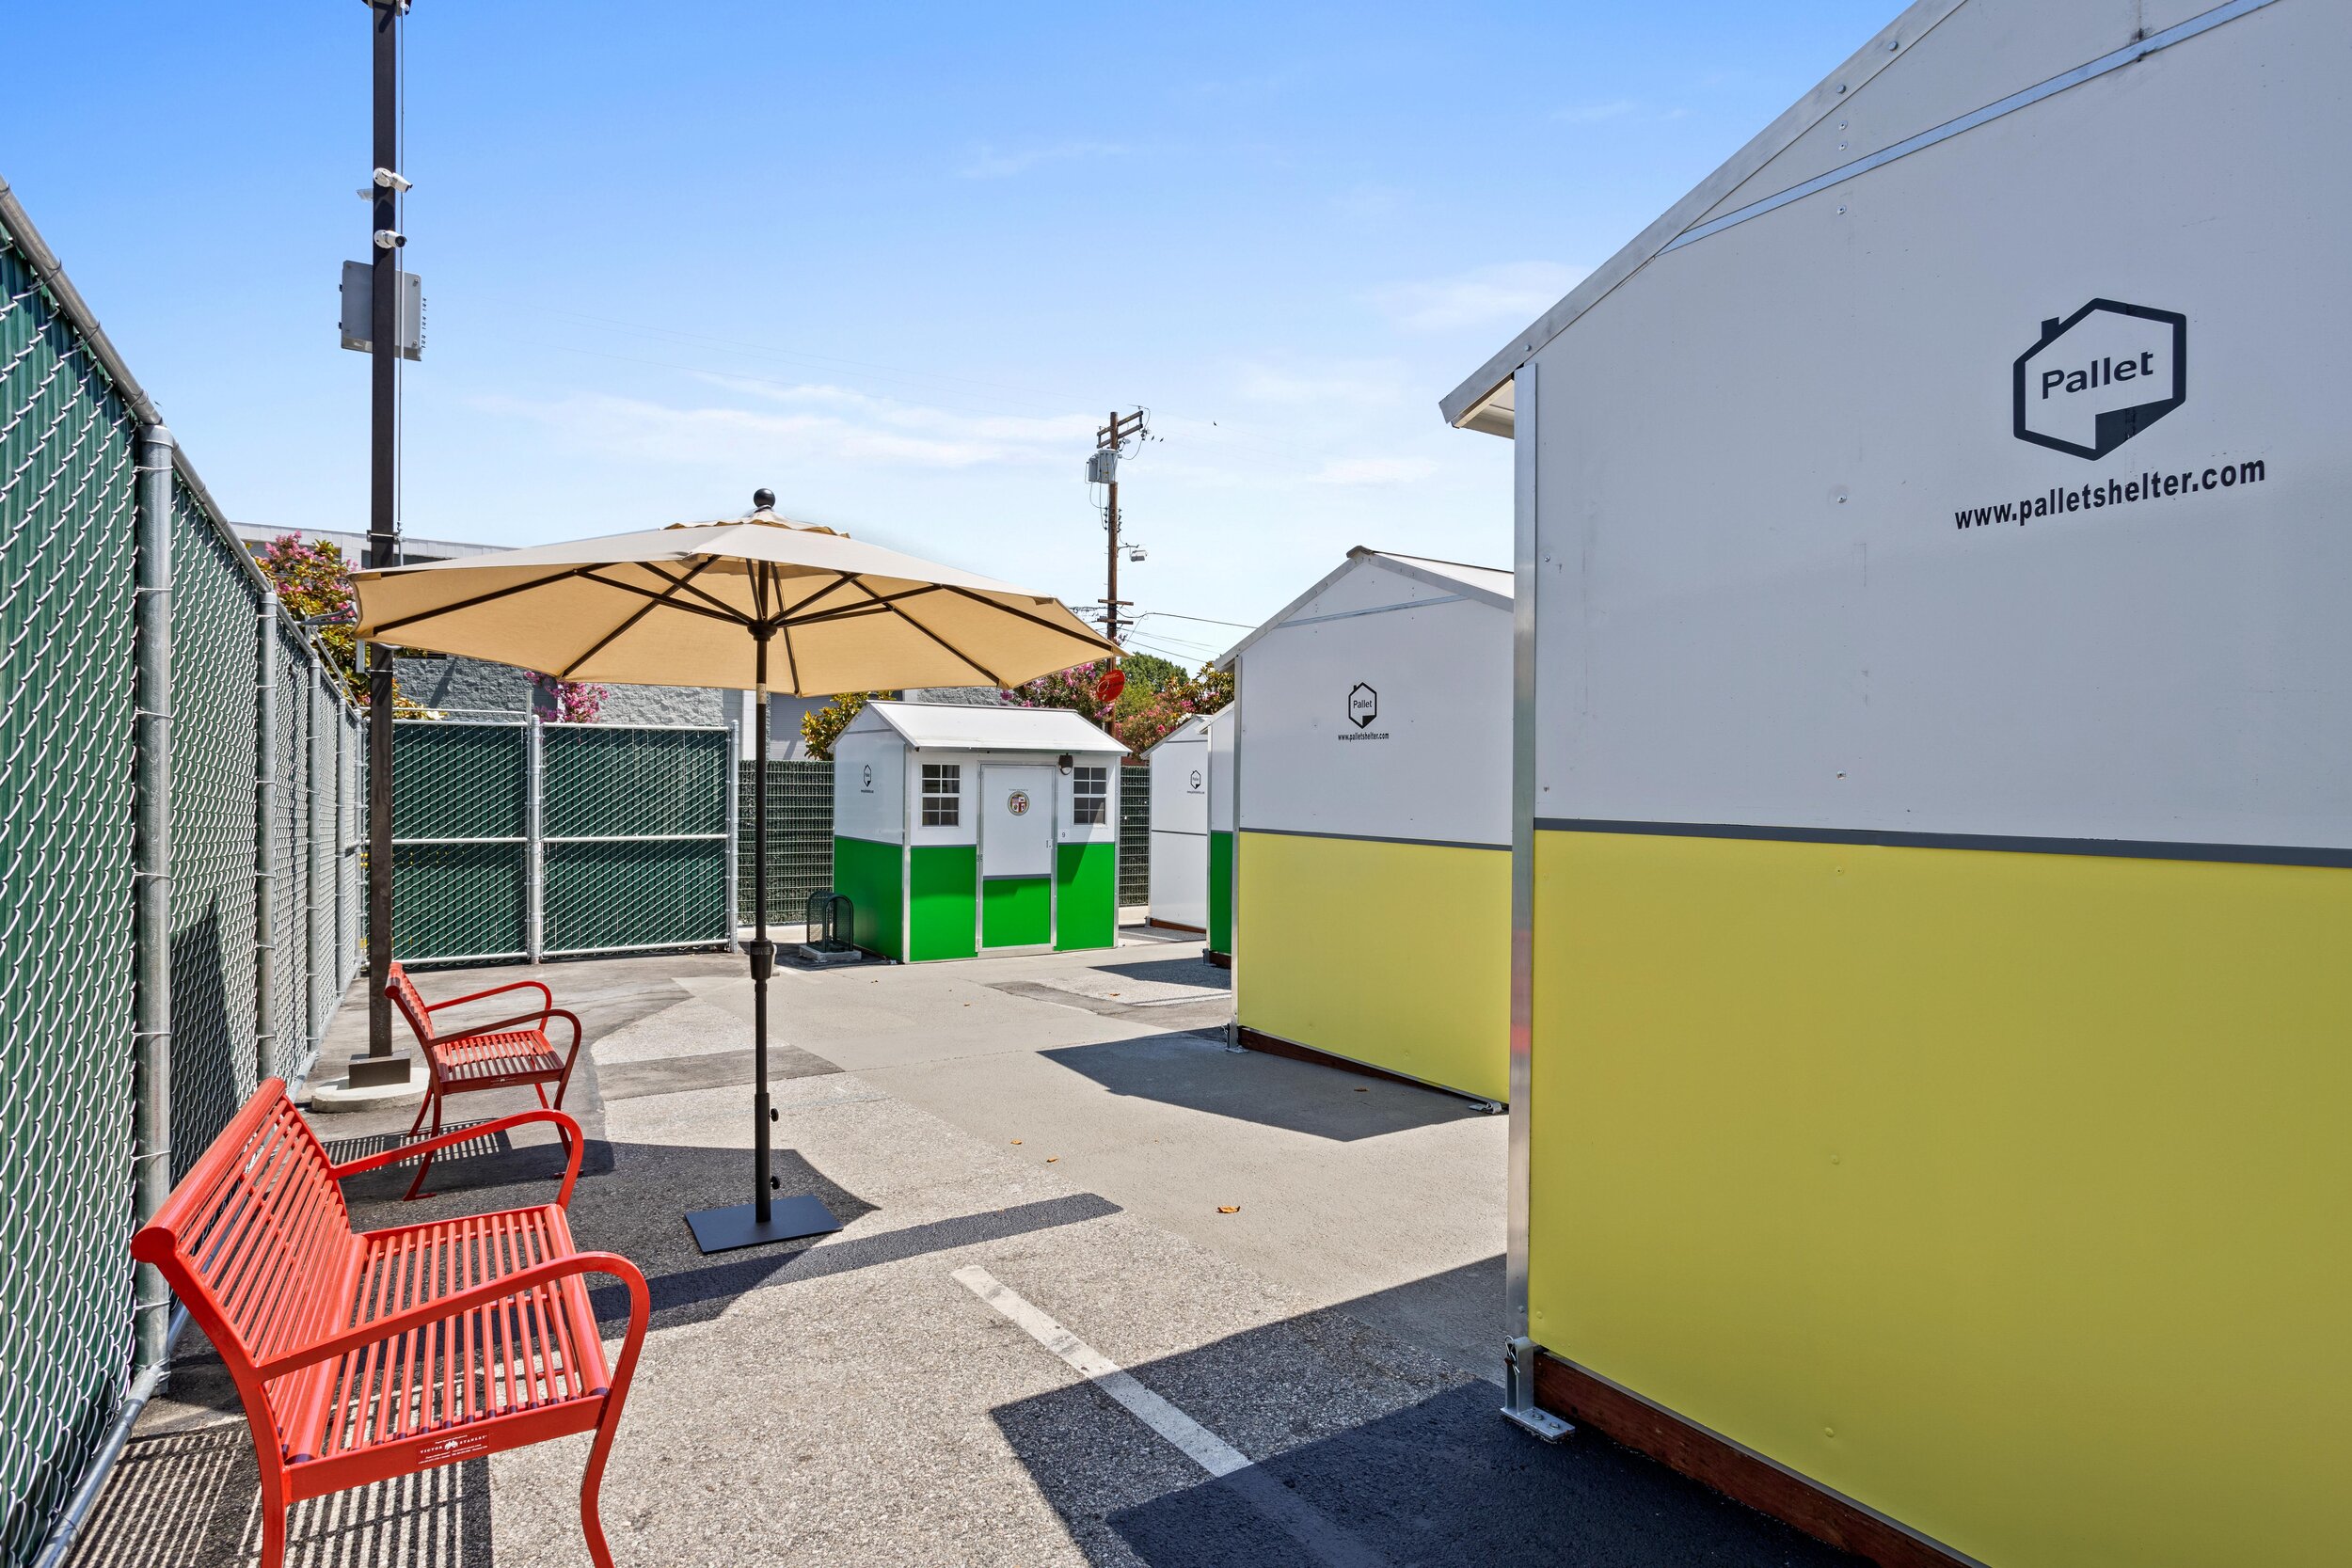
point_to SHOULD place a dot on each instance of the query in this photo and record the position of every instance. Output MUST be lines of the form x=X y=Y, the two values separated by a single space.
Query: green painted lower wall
x=1397 y=956
x=869 y=872
x=1016 y=912
x=940 y=921
x=1220 y=891
x=1958 y=1180
x=1086 y=913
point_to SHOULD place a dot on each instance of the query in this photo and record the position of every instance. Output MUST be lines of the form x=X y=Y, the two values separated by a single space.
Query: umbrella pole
x=744 y=1224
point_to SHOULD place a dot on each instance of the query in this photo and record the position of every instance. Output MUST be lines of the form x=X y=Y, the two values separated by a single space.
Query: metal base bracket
x=1518 y=1394
x=369 y=1072
x=737 y=1226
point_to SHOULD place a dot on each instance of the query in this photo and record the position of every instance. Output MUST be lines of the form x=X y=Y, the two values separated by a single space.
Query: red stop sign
x=1110 y=686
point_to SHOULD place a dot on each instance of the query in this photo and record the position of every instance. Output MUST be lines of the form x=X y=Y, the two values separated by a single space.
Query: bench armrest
x=540 y=986
x=521 y=1282
x=570 y=1129
x=477 y=1030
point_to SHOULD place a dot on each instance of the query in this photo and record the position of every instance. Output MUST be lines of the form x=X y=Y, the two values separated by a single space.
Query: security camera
x=390 y=239
x=392 y=181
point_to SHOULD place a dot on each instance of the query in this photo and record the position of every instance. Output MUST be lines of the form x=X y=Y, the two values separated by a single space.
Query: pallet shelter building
x=1180 y=827
x=1371 y=882
x=1931 y=837
x=975 y=830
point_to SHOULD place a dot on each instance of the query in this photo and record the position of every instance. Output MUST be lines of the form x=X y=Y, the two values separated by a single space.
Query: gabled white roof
x=1194 y=728
x=1488 y=585
x=983 y=729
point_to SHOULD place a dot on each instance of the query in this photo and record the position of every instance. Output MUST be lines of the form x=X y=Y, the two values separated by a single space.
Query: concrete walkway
x=1035 y=1342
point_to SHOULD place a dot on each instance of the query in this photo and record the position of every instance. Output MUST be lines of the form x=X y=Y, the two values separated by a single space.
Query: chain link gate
x=523 y=841
x=263 y=813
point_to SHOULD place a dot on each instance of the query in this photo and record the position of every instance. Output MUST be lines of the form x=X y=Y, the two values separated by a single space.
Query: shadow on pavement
x=1434 y=1482
x=1188 y=969
x=1195 y=1072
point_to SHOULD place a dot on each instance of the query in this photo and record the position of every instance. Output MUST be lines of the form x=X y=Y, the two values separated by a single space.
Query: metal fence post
x=534 y=840
x=150 y=1078
x=320 y=897
x=735 y=831
x=265 y=1062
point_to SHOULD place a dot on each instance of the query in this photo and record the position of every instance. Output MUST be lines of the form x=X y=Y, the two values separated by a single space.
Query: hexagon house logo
x=2100 y=376
x=1363 y=706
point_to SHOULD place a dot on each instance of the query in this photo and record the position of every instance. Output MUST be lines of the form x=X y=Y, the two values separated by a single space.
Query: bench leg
x=416 y=1188
x=273 y=1535
x=591 y=1523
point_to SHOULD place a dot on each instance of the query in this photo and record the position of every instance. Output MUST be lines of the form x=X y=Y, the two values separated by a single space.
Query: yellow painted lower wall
x=1393 y=954
x=2009 y=1194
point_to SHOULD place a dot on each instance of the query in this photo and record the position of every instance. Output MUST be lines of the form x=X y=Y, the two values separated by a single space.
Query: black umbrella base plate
x=737 y=1225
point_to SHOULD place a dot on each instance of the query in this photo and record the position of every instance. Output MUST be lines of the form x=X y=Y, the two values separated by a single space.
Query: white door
x=1016 y=857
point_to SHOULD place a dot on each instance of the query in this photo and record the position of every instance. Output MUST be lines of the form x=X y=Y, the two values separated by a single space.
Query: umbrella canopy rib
x=642 y=610
x=732 y=617
x=994 y=679
x=377 y=633
x=701 y=566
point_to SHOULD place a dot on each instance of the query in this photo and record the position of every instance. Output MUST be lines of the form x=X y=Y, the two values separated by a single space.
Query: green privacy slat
x=66 y=530
x=458 y=900
x=68 y=540
x=452 y=780
x=214 y=668
x=605 y=780
x=664 y=892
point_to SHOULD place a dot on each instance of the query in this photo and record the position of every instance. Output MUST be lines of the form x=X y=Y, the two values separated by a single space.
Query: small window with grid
x=943 y=794
x=1090 y=797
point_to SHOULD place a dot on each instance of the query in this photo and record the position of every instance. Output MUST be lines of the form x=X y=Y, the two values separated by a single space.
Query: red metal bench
x=505 y=1054
x=361 y=1355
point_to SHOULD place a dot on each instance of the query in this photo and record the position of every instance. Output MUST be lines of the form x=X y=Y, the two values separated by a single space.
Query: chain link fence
x=528 y=840
x=1135 y=836
x=800 y=838
x=264 y=792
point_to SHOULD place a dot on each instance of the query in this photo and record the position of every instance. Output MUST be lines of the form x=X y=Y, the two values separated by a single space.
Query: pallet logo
x=1363 y=706
x=2100 y=376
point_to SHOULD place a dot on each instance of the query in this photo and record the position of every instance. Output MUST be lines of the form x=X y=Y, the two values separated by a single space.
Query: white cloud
x=991 y=163
x=1372 y=470
x=1593 y=114
x=1512 y=292
x=823 y=424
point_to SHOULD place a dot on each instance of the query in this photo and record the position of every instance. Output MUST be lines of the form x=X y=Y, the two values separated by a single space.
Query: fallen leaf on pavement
x=1228 y=1208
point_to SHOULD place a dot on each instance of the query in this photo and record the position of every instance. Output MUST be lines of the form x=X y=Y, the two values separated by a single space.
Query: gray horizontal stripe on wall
x=1374 y=838
x=2116 y=848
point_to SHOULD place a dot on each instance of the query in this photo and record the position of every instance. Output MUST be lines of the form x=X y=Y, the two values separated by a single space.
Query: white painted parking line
x=1201 y=1446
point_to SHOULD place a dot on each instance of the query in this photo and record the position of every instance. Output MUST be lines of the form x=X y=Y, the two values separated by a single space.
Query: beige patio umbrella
x=758 y=603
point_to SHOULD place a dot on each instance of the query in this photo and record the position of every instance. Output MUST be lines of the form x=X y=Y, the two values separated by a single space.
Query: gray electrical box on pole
x=360 y=311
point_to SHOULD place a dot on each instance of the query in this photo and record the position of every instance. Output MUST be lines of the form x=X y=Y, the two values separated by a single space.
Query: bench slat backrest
x=410 y=1001
x=256 y=1238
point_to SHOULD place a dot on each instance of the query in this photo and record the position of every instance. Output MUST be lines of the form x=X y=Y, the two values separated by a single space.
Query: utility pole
x=380 y=1067
x=1107 y=442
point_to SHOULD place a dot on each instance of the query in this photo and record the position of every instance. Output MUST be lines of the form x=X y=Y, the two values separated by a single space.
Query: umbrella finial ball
x=762 y=498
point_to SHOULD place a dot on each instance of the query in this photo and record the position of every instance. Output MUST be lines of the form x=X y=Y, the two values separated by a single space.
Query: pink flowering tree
x=569 y=702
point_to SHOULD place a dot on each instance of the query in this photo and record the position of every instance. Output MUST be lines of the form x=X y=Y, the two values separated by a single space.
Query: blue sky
x=896 y=262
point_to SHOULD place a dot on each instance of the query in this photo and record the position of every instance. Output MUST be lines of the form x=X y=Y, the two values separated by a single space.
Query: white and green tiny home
x=965 y=832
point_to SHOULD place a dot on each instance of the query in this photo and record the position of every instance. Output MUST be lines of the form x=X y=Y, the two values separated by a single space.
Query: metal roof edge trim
x=1917 y=21
x=1358 y=556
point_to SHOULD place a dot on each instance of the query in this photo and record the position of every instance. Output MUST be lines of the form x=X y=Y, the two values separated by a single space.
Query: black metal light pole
x=380 y=1066
x=763 y=1219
